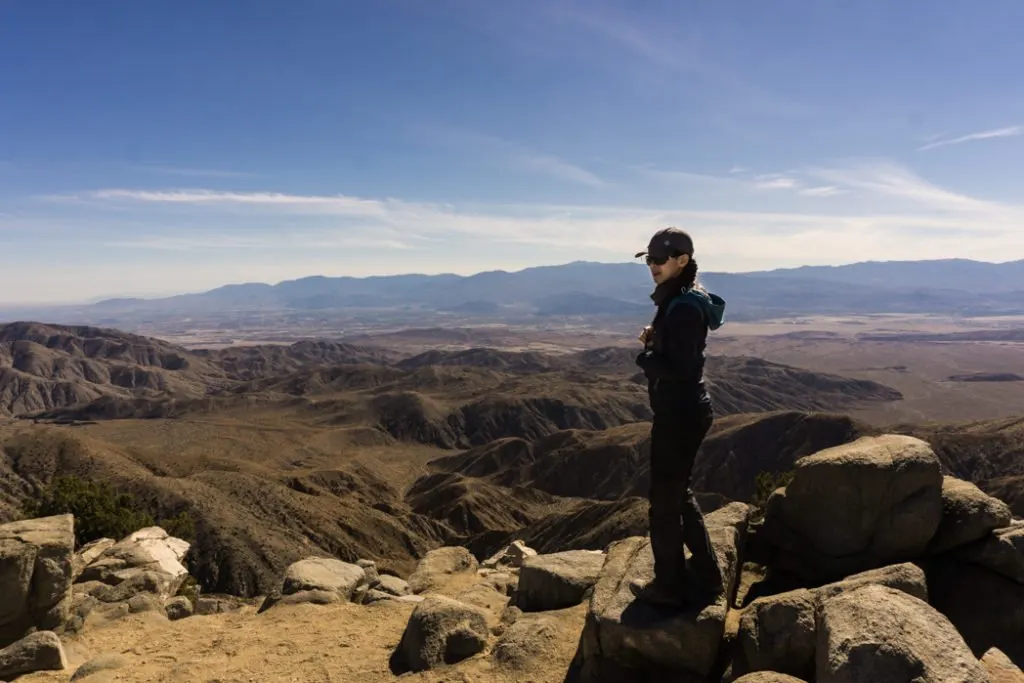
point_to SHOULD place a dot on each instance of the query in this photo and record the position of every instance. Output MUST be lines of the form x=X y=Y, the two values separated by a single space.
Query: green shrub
x=764 y=485
x=100 y=511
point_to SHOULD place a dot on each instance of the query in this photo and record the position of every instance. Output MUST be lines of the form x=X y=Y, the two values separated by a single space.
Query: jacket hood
x=711 y=304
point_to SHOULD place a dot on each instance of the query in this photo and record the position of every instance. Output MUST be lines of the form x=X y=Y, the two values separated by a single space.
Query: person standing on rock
x=673 y=362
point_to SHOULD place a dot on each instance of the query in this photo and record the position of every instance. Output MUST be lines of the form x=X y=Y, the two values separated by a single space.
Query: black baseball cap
x=666 y=242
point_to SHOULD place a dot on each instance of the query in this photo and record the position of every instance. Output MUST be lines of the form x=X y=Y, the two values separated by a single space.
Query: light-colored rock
x=88 y=554
x=392 y=585
x=440 y=631
x=36 y=557
x=439 y=563
x=968 y=514
x=866 y=504
x=999 y=667
x=102 y=663
x=557 y=580
x=876 y=633
x=323 y=574
x=148 y=560
x=1001 y=551
x=511 y=556
x=179 y=607
x=40 y=651
x=779 y=632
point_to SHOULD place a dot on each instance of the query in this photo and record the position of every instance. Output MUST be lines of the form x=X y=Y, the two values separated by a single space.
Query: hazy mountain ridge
x=601 y=290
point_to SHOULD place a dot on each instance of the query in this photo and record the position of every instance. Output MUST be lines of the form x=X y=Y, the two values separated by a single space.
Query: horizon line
x=100 y=299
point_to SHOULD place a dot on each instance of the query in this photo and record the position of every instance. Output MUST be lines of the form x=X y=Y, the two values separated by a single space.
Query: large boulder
x=35 y=575
x=767 y=677
x=1000 y=669
x=440 y=631
x=968 y=514
x=319 y=581
x=876 y=633
x=557 y=580
x=627 y=639
x=40 y=651
x=779 y=632
x=866 y=504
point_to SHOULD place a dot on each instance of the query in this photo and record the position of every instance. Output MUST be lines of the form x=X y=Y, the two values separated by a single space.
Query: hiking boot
x=658 y=592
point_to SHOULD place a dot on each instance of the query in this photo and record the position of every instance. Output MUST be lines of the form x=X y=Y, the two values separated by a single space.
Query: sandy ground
x=342 y=643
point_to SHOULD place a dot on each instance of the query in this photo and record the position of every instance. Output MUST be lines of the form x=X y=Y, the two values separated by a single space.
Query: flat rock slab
x=968 y=514
x=392 y=585
x=876 y=634
x=873 y=502
x=41 y=651
x=557 y=580
x=323 y=574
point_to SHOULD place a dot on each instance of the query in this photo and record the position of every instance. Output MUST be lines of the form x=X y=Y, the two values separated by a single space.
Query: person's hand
x=645 y=335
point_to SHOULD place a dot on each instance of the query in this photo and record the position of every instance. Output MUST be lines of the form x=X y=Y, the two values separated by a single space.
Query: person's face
x=664 y=269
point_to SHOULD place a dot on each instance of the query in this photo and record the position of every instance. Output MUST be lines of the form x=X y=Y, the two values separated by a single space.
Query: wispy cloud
x=775 y=181
x=1007 y=132
x=193 y=172
x=821 y=191
x=511 y=154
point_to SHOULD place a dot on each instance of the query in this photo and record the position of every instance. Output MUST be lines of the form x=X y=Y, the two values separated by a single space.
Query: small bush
x=101 y=512
x=764 y=485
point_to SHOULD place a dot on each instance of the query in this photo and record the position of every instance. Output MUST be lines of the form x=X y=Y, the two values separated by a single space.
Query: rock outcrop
x=867 y=504
x=36 y=557
x=318 y=580
x=876 y=633
x=626 y=639
x=968 y=514
x=779 y=632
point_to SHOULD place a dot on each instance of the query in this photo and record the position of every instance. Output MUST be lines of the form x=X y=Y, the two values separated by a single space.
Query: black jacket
x=673 y=359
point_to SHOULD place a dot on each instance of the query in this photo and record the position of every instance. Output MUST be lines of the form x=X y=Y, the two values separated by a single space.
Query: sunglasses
x=656 y=260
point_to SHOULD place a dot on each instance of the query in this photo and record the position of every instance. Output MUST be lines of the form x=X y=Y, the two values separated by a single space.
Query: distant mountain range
x=584 y=289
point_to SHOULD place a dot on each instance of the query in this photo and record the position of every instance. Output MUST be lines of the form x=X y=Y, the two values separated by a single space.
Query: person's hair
x=688 y=276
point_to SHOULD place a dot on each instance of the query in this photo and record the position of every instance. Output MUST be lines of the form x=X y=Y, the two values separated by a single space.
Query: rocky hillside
x=869 y=565
x=86 y=373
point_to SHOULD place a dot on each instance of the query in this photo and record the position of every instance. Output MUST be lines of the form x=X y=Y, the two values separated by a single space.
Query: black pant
x=674 y=514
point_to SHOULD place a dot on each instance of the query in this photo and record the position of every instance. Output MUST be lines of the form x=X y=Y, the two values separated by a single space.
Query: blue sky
x=176 y=145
